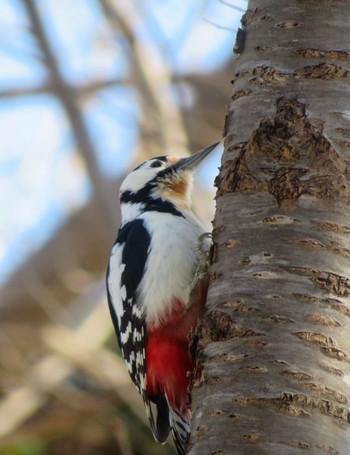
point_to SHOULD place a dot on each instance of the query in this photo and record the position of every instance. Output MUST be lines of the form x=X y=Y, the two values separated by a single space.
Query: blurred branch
x=80 y=347
x=44 y=296
x=45 y=88
x=153 y=77
x=221 y=27
x=242 y=10
x=21 y=403
x=69 y=102
x=79 y=91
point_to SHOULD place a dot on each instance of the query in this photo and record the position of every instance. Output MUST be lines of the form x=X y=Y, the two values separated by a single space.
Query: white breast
x=171 y=262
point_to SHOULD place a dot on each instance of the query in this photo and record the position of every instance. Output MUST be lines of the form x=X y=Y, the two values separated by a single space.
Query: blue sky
x=42 y=178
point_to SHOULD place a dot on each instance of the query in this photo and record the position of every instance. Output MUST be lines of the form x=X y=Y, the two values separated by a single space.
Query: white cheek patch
x=138 y=178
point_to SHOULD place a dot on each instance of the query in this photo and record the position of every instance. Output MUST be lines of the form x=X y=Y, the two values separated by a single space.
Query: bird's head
x=160 y=182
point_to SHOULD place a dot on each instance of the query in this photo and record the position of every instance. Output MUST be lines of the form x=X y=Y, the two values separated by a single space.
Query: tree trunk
x=273 y=348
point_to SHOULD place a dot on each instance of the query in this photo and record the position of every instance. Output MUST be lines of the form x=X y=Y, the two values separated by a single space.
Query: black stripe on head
x=144 y=195
x=148 y=203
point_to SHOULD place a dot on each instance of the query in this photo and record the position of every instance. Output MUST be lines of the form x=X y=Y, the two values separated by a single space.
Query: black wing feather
x=134 y=241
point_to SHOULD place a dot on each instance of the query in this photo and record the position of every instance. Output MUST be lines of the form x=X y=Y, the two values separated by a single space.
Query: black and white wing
x=124 y=274
x=125 y=271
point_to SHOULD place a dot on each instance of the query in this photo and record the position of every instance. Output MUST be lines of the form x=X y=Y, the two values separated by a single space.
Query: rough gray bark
x=273 y=349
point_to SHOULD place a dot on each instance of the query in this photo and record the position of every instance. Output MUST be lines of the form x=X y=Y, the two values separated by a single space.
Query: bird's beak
x=193 y=161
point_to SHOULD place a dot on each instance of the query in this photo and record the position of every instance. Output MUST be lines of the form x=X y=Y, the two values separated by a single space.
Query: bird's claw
x=202 y=248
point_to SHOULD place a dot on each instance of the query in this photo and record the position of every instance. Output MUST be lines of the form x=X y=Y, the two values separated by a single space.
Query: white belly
x=171 y=262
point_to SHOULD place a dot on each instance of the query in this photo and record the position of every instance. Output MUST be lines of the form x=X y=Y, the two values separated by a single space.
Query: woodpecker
x=154 y=296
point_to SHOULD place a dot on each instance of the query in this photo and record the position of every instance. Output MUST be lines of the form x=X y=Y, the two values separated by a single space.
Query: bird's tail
x=169 y=418
x=180 y=428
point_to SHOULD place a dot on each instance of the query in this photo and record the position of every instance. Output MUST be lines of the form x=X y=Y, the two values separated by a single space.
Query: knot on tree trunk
x=287 y=156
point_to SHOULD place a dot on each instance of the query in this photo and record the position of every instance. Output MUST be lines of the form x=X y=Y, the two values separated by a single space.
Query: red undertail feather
x=168 y=361
x=169 y=365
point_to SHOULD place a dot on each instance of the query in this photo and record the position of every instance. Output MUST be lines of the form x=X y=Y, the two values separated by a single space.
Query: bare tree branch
x=242 y=10
x=70 y=104
x=80 y=91
x=221 y=27
x=152 y=77
x=75 y=347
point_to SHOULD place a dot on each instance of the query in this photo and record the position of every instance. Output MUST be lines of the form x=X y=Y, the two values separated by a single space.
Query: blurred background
x=88 y=89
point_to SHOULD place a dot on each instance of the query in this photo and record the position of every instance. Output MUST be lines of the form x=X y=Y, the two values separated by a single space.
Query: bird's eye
x=156 y=163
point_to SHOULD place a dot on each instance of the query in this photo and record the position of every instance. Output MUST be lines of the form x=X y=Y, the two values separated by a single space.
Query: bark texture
x=273 y=349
